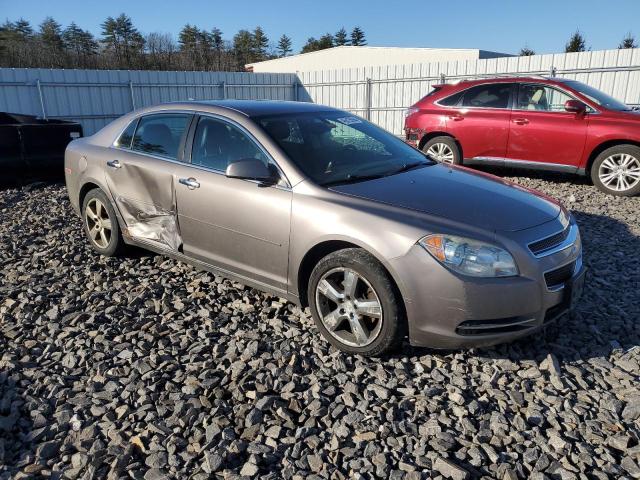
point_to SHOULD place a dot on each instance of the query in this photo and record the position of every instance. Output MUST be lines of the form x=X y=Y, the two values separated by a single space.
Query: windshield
x=597 y=96
x=335 y=147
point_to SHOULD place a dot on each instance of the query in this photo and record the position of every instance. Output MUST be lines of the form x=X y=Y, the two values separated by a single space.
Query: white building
x=349 y=57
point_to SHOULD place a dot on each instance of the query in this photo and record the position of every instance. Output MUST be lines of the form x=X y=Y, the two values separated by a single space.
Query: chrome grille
x=540 y=246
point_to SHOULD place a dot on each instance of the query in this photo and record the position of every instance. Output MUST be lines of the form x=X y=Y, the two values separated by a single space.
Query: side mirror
x=575 y=106
x=251 y=169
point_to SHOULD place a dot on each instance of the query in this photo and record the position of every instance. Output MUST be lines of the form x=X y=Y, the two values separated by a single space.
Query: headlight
x=470 y=257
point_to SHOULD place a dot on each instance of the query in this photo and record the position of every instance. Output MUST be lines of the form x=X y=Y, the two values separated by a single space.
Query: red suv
x=536 y=123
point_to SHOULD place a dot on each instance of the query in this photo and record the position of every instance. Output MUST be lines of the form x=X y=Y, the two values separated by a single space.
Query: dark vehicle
x=537 y=123
x=33 y=148
x=327 y=210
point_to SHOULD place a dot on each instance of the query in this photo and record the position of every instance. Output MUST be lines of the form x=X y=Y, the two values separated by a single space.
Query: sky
x=496 y=25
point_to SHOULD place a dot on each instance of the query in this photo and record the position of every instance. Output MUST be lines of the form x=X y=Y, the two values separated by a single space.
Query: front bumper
x=448 y=310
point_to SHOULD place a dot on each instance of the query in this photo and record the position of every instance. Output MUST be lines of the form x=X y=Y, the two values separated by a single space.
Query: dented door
x=141 y=176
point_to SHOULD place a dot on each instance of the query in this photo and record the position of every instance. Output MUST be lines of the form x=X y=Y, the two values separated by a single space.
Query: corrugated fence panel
x=96 y=97
x=383 y=93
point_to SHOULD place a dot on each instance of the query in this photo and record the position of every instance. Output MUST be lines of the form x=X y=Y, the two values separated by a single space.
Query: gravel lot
x=146 y=368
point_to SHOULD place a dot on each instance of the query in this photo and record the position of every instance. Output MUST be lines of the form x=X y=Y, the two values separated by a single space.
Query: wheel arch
x=428 y=136
x=86 y=188
x=326 y=247
x=602 y=147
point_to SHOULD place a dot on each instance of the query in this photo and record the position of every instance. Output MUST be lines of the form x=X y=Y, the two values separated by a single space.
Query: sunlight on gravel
x=144 y=367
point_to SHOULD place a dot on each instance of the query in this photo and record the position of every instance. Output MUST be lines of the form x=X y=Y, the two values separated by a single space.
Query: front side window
x=540 y=97
x=217 y=143
x=125 y=138
x=491 y=95
x=336 y=147
x=161 y=134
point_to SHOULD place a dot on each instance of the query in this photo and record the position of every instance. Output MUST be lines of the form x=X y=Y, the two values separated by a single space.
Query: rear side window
x=124 y=141
x=493 y=95
x=452 y=100
x=161 y=134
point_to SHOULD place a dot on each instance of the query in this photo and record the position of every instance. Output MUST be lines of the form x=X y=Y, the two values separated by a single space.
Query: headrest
x=157 y=134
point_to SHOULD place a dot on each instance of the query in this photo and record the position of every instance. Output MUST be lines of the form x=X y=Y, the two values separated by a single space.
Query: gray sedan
x=325 y=209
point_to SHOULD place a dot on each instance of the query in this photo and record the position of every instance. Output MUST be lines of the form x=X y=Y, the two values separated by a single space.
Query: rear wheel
x=355 y=304
x=617 y=170
x=101 y=224
x=443 y=149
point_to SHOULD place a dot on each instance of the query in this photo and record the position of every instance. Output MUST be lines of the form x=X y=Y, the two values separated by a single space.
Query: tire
x=383 y=332
x=106 y=241
x=444 y=150
x=604 y=176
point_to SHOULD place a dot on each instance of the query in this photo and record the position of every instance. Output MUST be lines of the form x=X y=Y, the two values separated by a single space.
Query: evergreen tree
x=260 y=44
x=23 y=28
x=120 y=37
x=629 y=41
x=284 y=46
x=218 y=46
x=576 y=43
x=340 y=38
x=310 y=46
x=188 y=38
x=81 y=45
x=243 y=48
x=326 y=41
x=51 y=34
x=526 y=51
x=357 y=37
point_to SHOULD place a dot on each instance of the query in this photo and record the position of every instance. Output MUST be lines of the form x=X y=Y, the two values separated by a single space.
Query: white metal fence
x=95 y=97
x=382 y=94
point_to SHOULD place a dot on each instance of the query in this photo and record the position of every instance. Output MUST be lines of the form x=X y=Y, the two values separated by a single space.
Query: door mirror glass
x=574 y=106
x=251 y=169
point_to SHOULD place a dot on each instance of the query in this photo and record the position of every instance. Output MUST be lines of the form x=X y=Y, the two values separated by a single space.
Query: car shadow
x=546 y=175
x=608 y=316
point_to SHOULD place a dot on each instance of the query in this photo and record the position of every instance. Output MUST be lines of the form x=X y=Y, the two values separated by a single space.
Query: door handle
x=520 y=121
x=114 y=164
x=190 y=182
x=456 y=117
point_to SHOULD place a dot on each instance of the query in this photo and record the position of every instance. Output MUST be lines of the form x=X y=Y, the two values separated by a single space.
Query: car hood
x=460 y=194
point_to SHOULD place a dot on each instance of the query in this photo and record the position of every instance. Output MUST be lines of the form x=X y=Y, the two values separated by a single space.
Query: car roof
x=252 y=108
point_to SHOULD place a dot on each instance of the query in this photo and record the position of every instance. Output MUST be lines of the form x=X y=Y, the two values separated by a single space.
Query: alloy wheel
x=98 y=223
x=620 y=172
x=349 y=307
x=441 y=152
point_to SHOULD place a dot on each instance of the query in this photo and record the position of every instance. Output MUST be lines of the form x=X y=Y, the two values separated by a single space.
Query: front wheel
x=355 y=304
x=443 y=149
x=617 y=170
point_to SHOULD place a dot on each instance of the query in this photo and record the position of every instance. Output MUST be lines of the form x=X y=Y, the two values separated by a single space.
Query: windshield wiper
x=353 y=179
x=361 y=178
x=410 y=166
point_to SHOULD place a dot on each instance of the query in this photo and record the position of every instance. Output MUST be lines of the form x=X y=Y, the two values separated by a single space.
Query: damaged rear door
x=141 y=176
